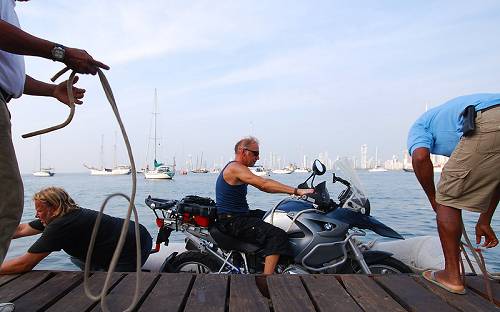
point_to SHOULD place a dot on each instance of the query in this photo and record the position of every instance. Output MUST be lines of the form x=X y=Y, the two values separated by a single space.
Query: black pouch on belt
x=469 y=117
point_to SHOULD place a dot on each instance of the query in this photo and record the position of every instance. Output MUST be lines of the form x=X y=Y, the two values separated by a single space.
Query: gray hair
x=243 y=143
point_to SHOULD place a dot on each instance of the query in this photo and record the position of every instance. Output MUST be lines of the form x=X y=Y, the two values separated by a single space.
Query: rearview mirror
x=318 y=167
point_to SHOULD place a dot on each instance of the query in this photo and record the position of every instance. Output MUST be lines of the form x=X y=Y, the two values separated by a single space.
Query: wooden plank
x=369 y=295
x=77 y=300
x=4 y=279
x=476 y=283
x=245 y=296
x=208 y=293
x=121 y=296
x=49 y=292
x=328 y=295
x=170 y=293
x=288 y=294
x=468 y=302
x=410 y=294
x=11 y=291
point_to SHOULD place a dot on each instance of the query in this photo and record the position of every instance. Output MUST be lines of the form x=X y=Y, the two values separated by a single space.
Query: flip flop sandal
x=432 y=279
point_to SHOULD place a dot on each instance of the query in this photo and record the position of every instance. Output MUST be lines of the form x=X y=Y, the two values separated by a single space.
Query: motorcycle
x=322 y=233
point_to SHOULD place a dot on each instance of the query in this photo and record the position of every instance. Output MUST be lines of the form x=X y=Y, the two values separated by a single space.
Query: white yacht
x=259 y=171
x=378 y=169
x=283 y=171
x=118 y=170
x=42 y=172
x=160 y=171
x=302 y=170
x=103 y=171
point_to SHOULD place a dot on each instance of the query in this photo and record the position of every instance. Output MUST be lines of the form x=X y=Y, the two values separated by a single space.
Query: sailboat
x=304 y=168
x=377 y=168
x=160 y=171
x=200 y=169
x=116 y=170
x=42 y=172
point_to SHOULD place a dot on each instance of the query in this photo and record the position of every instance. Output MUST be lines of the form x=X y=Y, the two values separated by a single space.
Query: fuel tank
x=311 y=229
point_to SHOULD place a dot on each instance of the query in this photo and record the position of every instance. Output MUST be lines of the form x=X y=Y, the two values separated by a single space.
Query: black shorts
x=252 y=229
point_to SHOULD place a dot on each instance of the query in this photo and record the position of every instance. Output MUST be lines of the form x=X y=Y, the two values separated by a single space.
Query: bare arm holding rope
x=57 y=91
x=17 y=41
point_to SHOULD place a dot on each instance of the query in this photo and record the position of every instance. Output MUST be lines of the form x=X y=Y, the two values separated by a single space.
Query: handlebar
x=337 y=179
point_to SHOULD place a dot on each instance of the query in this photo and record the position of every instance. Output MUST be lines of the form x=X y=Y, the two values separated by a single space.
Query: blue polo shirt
x=440 y=128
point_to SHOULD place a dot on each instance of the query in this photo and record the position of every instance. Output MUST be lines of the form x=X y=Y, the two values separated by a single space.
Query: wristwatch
x=58 y=52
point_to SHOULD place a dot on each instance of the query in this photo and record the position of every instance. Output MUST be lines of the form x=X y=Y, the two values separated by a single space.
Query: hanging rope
x=478 y=256
x=131 y=208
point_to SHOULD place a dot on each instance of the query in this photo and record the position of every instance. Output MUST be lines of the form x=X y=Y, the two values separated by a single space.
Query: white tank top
x=12 y=73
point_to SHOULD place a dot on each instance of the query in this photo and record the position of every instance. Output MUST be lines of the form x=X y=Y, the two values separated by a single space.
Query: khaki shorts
x=11 y=185
x=471 y=176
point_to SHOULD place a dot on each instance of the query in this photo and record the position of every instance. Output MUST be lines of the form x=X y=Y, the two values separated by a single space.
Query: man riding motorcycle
x=233 y=214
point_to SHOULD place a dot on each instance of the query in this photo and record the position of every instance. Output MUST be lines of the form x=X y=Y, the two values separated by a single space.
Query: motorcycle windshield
x=358 y=200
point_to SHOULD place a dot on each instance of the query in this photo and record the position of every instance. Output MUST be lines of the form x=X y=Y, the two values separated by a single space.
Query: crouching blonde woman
x=66 y=226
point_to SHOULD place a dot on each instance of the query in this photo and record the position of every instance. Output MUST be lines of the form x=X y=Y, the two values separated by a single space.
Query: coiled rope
x=111 y=99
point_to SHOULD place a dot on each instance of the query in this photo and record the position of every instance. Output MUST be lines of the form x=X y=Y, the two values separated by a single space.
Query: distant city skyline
x=303 y=77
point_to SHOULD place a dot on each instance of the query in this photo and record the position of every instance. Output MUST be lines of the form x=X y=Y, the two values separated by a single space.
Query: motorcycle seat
x=227 y=242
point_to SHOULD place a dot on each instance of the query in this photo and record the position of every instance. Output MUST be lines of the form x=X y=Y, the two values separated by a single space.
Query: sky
x=304 y=77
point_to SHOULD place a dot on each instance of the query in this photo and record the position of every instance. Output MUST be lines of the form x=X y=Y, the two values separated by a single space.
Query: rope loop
x=131 y=208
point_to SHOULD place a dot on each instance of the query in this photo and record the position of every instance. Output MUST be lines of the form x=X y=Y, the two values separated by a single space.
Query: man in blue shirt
x=470 y=179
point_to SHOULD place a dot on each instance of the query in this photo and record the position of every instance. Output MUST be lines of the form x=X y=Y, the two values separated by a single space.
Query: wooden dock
x=63 y=291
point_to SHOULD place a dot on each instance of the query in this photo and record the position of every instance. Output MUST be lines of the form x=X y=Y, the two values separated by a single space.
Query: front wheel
x=388 y=266
x=195 y=262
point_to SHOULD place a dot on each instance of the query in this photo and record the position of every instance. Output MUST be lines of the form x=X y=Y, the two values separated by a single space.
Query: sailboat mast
x=114 y=154
x=102 y=151
x=40 y=151
x=155 y=113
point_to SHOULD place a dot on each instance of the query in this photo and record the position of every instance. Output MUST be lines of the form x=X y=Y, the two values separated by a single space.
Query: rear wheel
x=195 y=262
x=388 y=266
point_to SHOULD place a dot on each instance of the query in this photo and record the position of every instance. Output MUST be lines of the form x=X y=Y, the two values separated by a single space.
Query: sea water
x=397 y=200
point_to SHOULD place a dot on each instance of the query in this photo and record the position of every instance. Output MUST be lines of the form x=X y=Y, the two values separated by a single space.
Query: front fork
x=358 y=256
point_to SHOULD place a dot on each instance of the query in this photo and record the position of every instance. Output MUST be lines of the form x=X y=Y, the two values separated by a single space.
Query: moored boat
x=302 y=170
x=378 y=169
x=118 y=170
x=259 y=171
x=42 y=172
x=283 y=171
x=160 y=171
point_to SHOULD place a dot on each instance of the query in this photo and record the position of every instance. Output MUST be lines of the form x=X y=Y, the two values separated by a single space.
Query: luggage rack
x=191 y=214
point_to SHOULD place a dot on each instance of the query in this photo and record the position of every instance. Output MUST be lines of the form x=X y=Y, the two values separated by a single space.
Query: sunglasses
x=255 y=153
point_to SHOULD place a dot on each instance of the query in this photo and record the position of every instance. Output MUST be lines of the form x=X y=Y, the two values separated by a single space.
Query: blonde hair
x=57 y=198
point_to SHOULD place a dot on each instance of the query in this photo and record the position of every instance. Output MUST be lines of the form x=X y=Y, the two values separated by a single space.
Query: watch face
x=58 y=53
